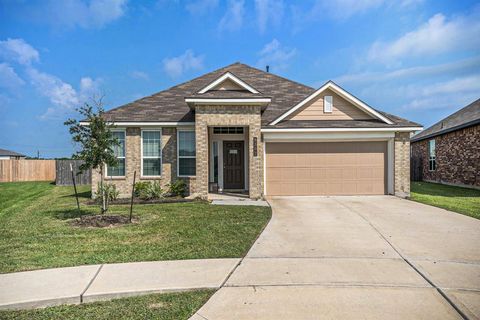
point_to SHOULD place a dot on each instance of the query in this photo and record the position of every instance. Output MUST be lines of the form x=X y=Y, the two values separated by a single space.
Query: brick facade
x=248 y=116
x=133 y=142
x=402 y=164
x=457 y=157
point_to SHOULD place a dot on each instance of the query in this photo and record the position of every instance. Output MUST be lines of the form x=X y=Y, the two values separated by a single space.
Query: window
x=432 y=161
x=228 y=130
x=119 y=151
x=151 y=153
x=186 y=153
x=327 y=103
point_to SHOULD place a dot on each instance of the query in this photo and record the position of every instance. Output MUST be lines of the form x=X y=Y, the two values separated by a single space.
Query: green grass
x=35 y=231
x=461 y=200
x=156 y=306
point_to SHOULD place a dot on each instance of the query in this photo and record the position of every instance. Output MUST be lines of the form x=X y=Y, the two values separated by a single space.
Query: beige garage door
x=326 y=168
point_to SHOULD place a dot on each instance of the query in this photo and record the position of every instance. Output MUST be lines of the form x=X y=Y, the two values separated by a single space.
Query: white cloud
x=58 y=92
x=233 y=18
x=61 y=94
x=82 y=13
x=19 y=51
x=200 y=7
x=177 y=66
x=268 y=12
x=139 y=75
x=448 y=69
x=437 y=36
x=276 y=56
x=9 y=78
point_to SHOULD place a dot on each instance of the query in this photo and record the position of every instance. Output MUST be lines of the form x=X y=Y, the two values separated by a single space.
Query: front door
x=233 y=165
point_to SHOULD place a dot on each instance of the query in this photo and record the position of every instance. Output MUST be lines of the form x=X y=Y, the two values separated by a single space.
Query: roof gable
x=330 y=85
x=228 y=81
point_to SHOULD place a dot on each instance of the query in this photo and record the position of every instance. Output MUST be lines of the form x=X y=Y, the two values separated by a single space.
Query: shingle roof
x=4 y=152
x=341 y=124
x=170 y=106
x=468 y=116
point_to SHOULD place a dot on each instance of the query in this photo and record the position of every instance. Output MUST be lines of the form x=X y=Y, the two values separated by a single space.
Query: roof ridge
x=275 y=75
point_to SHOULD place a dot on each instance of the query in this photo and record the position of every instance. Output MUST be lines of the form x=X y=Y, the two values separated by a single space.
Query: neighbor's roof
x=170 y=106
x=465 y=117
x=4 y=152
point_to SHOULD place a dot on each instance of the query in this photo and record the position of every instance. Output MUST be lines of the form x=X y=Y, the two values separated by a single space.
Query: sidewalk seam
x=439 y=290
x=90 y=282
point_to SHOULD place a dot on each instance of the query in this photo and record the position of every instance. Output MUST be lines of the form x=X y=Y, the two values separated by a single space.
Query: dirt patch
x=101 y=221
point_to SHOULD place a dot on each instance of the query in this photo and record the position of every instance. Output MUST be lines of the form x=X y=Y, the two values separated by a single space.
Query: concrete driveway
x=376 y=257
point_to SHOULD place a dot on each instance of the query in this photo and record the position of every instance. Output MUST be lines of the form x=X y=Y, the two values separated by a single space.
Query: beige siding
x=228 y=85
x=341 y=110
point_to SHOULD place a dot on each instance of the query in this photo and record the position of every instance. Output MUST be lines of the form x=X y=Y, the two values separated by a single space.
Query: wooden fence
x=27 y=170
x=64 y=176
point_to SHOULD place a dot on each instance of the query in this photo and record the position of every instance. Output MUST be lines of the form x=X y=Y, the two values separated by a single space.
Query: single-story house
x=10 y=155
x=242 y=129
x=449 y=151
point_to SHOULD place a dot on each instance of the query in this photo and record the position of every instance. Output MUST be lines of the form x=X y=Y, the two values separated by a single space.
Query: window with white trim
x=327 y=104
x=186 y=152
x=151 y=153
x=432 y=160
x=119 y=151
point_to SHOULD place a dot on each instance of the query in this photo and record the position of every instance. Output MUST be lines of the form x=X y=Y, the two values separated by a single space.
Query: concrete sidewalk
x=99 y=282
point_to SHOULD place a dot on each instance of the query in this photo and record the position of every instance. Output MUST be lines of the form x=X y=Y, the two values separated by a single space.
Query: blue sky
x=418 y=59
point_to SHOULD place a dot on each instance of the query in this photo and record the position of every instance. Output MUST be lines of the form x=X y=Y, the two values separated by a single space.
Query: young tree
x=96 y=140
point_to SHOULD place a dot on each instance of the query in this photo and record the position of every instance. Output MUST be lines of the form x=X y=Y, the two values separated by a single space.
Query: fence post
x=74 y=186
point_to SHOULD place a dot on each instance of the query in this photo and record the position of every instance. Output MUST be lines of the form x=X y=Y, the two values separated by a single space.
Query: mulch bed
x=141 y=201
x=101 y=221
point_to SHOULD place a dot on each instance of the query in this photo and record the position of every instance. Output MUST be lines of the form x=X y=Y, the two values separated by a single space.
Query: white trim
x=326 y=136
x=339 y=91
x=124 y=157
x=264 y=167
x=228 y=101
x=185 y=157
x=391 y=129
x=145 y=124
x=142 y=157
x=328 y=101
x=229 y=76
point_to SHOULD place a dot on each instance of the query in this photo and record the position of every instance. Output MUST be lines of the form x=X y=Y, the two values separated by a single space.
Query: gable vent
x=327 y=104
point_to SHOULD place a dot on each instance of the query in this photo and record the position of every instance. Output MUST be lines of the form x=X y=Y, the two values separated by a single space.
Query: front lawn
x=156 y=306
x=461 y=200
x=35 y=232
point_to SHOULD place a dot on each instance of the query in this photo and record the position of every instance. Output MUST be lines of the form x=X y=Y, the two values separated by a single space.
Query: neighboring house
x=242 y=129
x=449 y=151
x=10 y=155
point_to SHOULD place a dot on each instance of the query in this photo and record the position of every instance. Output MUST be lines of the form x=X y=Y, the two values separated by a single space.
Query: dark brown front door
x=233 y=165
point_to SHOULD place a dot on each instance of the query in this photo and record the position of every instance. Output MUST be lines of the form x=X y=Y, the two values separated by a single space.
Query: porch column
x=201 y=143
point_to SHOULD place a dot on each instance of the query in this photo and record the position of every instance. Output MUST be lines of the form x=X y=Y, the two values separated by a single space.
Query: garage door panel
x=326 y=168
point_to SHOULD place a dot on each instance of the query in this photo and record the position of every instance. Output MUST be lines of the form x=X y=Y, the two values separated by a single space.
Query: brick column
x=402 y=164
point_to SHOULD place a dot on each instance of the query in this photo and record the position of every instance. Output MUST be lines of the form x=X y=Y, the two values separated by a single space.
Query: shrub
x=148 y=190
x=178 y=188
x=111 y=193
x=140 y=188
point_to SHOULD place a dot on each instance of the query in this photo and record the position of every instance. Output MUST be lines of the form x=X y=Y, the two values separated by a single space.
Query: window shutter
x=327 y=103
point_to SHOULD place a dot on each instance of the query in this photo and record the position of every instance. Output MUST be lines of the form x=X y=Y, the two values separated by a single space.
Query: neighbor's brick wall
x=457 y=154
x=402 y=164
x=249 y=116
x=133 y=162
